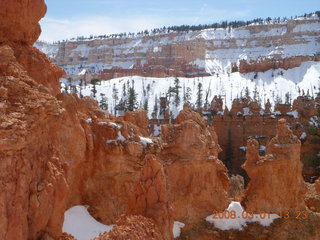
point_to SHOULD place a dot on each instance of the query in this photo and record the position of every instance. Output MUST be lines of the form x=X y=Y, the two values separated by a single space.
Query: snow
x=145 y=141
x=222 y=47
x=79 y=223
x=177 y=228
x=83 y=72
x=241 y=219
x=120 y=138
x=89 y=120
x=269 y=84
x=262 y=148
x=156 y=130
x=246 y=111
x=243 y=148
x=303 y=136
x=294 y=114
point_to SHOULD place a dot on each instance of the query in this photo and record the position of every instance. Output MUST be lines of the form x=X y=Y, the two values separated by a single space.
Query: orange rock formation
x=198 y=179
x=276 y=181
x=152 y=197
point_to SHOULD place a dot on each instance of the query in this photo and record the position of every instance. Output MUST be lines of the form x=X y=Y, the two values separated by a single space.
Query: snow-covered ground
x=227 y=222
x=271 y=85
x=79 y=223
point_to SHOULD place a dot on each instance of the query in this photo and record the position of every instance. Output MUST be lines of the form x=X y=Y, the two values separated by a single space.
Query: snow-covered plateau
x=272 y=85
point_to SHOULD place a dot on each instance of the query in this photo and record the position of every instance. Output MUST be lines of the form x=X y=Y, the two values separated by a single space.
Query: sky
x=71 y=18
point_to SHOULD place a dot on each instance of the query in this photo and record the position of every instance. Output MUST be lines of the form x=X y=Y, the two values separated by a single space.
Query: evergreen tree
x=187 y=96
x=124 y=91
x=115 y=96
x=103 y=102
x=80 y=88
x=94 y=82
x=278 y=99
x=199 y=102
x=255 y=93
x=69 y=84
x=288 y=98
x=132 y=98
x=176 y=91
x=155 y=108
x=146 y=104
x=247 y=92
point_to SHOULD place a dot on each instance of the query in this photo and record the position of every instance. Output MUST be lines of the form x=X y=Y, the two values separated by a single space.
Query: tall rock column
x=276 y=179
x=152 y=197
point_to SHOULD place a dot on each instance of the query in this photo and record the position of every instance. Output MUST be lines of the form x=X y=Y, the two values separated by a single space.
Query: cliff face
x=199 y=53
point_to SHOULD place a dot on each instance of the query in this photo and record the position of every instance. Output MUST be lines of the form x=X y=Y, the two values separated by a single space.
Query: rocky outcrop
x=276 y=181
x=312 y=198
x=266 y=64
x=20 y=31
x=133 y=228
x=198 y=179
x=138 y=118
x=23 y=27
x=152 y=197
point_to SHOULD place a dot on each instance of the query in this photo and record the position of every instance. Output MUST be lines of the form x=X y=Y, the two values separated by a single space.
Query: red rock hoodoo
x=198 y=179
x=152 y=196
x=276 y=182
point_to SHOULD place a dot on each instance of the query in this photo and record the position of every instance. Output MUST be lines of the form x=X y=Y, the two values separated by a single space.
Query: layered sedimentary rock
x=198 y=179
x=276 y=182
x=252 y=48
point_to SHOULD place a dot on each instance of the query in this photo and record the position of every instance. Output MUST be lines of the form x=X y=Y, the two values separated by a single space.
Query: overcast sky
x=70 y=18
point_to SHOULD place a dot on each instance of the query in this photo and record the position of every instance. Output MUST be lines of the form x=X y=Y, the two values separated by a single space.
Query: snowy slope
x=270 y=84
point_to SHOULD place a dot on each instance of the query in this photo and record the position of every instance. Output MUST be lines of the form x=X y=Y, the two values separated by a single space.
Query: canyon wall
x=247 y=120
x=199 y=53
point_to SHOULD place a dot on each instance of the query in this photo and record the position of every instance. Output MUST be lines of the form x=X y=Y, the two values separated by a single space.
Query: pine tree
x=288 y=98
x=124 y=91
x=176 y=91
x=199 y=102
x=115 y=96
x=132 y=98
x=187 y=97
x=255 y=93
x=94 y=82
x=69 y=84
x=247 y=92
x=103 y=102
x=146 y=104
x=155 y=108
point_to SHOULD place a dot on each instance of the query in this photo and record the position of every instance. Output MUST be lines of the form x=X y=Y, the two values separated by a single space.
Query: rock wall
x=247 y=120
x=194 y=54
